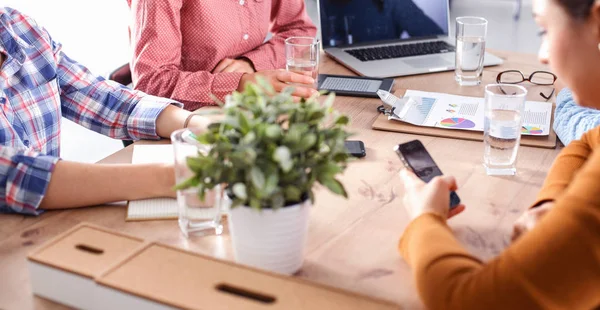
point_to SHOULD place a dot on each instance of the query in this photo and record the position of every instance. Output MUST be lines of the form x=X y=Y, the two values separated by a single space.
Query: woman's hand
x=304 y=85
x=432 y=197
x=529 y=219
x=234 y=65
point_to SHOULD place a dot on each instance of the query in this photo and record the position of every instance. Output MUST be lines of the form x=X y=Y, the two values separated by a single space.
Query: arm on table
x=572 y=121
x=289 y=19
x=553 y=266
x=157 y=70
x=30 y=181
x=77 y=184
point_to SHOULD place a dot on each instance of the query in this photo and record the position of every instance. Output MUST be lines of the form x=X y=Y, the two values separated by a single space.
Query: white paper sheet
x=462 y=113
x=157 y=208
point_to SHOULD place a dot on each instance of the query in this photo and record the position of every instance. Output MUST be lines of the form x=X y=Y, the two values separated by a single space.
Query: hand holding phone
x=415 y=158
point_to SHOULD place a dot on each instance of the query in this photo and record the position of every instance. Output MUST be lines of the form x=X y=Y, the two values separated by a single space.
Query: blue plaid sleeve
x=24 y=178
x=105 y=106
x=571 y=121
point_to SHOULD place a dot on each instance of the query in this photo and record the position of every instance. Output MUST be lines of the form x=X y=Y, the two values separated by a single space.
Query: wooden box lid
x=86 y=250
x=187 y=280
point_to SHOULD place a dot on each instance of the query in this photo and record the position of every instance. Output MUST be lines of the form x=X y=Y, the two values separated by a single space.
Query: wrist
x=242 y=83
x=429 y=212
x=166 y=180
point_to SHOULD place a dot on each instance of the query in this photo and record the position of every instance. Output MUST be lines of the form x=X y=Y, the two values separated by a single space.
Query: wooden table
x=352 y=244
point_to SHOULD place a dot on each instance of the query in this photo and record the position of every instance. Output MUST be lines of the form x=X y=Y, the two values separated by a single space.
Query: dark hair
x=579 y=9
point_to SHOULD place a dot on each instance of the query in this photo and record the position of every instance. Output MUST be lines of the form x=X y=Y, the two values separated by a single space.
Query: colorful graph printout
x=532 y=130
x=457 y=122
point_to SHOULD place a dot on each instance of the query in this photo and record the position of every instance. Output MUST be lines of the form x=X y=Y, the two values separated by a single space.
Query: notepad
x=156 y=208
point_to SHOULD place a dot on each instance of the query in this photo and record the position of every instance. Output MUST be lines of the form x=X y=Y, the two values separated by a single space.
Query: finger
x=222 y=65
x=449 y=181
x=409 y=178
x=232 y=67
x=456 y=211
x=292 y=77
x=299 y=91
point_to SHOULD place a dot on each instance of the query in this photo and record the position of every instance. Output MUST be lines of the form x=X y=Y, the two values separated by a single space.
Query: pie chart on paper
x=457 y=122
x=532 y=130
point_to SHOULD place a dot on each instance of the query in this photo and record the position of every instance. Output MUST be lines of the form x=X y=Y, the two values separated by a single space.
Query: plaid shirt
x=38 y=85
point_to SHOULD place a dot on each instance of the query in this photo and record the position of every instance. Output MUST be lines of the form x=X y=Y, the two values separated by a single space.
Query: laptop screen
x=348 y=22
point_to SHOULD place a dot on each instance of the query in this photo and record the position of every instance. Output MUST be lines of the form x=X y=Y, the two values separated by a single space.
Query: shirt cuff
x=259 y=60
x=27 y=183
x=225 y=83
x=141 y=123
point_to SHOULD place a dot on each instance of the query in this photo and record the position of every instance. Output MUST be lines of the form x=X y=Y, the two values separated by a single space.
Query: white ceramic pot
x=273 y=240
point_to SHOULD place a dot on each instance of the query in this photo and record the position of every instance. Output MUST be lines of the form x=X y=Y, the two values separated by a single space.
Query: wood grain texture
x=351 y=243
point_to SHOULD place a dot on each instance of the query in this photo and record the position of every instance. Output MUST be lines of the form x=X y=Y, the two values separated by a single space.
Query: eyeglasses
x=543 y=78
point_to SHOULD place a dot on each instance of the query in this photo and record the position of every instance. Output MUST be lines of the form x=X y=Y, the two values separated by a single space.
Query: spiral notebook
x=156 y=208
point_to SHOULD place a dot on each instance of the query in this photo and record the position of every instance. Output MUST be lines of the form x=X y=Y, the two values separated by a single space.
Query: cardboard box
x=164 y=277
x=63 y=270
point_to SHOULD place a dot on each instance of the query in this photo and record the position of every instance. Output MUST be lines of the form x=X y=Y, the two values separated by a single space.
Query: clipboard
x=382 y=123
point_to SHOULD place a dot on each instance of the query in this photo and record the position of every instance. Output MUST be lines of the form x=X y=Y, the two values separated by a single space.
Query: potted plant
x=270 y=152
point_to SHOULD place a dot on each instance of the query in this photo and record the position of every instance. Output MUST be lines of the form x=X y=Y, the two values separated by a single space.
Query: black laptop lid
x=353 y=22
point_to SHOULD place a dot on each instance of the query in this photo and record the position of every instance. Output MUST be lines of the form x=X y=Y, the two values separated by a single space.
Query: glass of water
x=302 y=56
x=470 y=49
x=196 y=216
x=504 y=106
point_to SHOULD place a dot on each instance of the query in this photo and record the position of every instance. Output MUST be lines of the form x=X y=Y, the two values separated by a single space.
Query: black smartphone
x=415 y=157
x=356 y=148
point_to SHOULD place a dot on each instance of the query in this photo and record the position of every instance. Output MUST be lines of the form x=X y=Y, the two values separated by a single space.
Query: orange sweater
x=554 y=266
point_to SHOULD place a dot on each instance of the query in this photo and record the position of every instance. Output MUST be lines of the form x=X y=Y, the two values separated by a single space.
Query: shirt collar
x=10 y=43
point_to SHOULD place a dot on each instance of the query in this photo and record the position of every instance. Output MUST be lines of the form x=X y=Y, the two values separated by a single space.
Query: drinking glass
x=504 y=108
x=196 y=216
x=470 y=50
x=302 y=56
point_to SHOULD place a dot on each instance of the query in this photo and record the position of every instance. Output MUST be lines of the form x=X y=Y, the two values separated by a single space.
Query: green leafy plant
x=270 y=151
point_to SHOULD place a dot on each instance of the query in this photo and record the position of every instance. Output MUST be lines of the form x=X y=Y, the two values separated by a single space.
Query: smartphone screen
x=415 y=157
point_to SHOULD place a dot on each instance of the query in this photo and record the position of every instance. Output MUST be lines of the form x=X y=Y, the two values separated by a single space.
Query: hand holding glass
x=302 y=56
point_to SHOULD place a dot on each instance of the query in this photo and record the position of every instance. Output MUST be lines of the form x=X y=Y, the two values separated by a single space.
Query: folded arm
x=571 y=121
x=157 y=40
x=289 y=19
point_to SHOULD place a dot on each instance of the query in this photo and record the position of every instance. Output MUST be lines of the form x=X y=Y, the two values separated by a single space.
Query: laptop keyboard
x=398 y=51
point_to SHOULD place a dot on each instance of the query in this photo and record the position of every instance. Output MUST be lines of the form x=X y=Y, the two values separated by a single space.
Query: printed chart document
x=460 y=112
x=156 y=208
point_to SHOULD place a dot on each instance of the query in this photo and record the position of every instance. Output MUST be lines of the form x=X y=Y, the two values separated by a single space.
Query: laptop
x=387 y=38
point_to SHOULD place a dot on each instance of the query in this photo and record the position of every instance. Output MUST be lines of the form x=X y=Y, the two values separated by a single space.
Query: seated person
x=357 y=21
x=187 y=50
x=39 y=84
x=572 y=121
x=556 y=265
